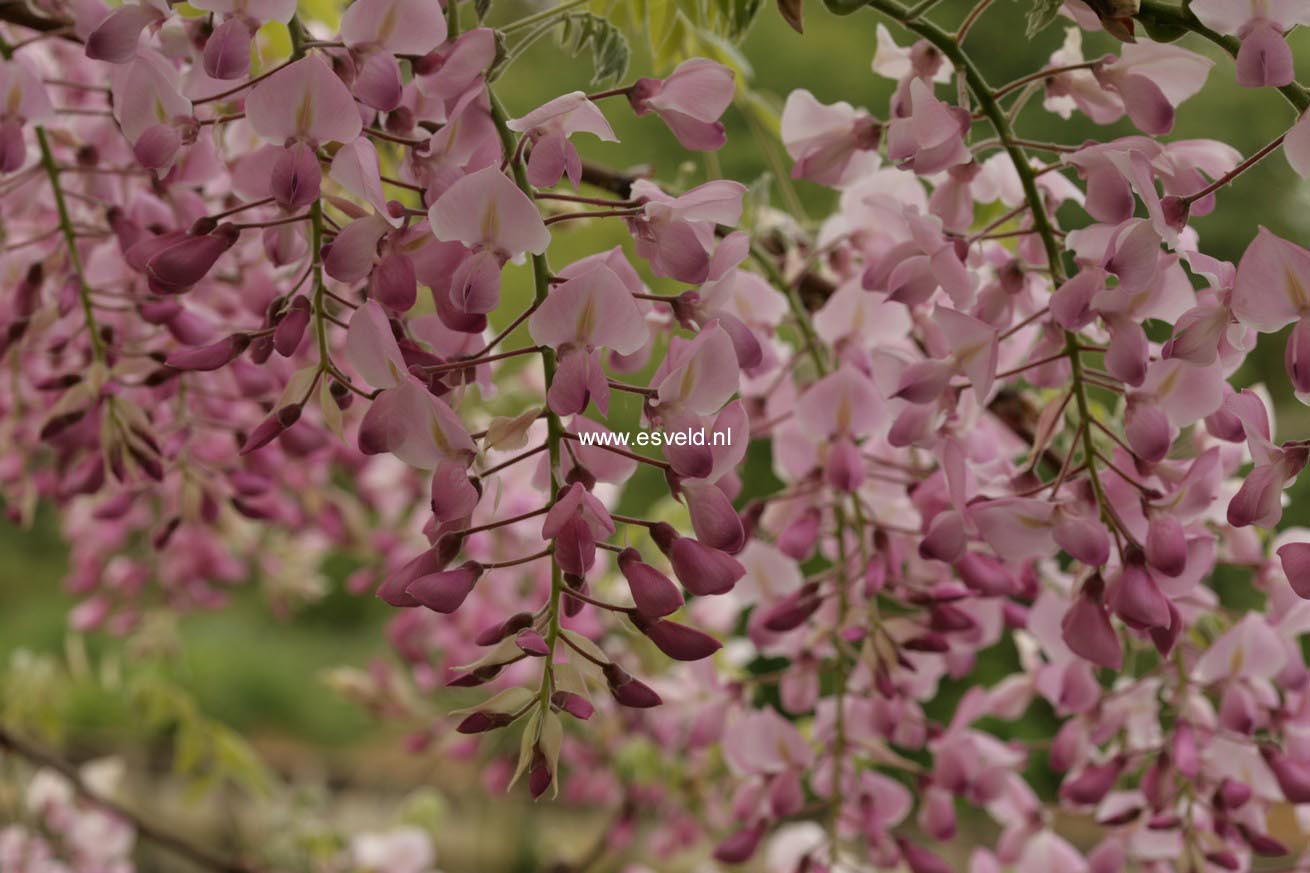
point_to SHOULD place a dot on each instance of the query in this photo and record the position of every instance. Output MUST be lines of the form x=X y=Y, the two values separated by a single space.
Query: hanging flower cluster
x=250 y=325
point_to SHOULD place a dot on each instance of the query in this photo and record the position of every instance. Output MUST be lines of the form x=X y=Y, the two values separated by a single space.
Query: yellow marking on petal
x=490 y=222
x=305 y=114
x=586 y=320
x=1296 y=292
x=13 y=99
x=388 y=24
x=844 y=414
x=161 y=114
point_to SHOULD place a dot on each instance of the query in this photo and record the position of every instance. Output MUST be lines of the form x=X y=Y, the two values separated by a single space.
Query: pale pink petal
x=371 y=347
x=400 y=27
x=487 y=209
x=593 y=310
x=304 y=100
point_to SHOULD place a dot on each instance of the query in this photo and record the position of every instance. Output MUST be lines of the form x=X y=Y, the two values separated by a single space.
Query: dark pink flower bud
x=654 y=593
x=1224 y=859
x=575 y=546
x=394 y=283
x=539 y=775
x=492 y=635
x=481 y=722
x=937 y=814
x=1262 y=844
x=227 y=52
x=946 y=538
x=800 y=536
x=700 y=569
x=377 y=82
x=678 y=641
x=291 y=329
x=739 y=847
x=791 y=611
x=1175 y=210
x=1166 y=544
x=271 y=428
x=574 y=704
x=454 y=494
x=950 y=619
x=1129 y=351
x=920 y=860
x=1091 y=785
x=445 y=591
x=1295 y=558
x=187 y=260
x=1232 y=794
x=1293 y=775
x=844 y=470
x=157 y=146
x=629 y=691
x=924 y=381
x=1146 y=427
x=984 y=574
x=297 y=178
x=1083 y=537
x=13 y=148
x=1087 y=630
x=531 y=643
x=715 y=522
x=1297 y=356
x=212 y=356
x=1136 y=599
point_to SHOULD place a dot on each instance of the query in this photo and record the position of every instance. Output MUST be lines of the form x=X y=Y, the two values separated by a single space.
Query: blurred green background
x=258 y=673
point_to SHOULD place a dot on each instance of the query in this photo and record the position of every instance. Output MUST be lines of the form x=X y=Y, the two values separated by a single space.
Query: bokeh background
x=260 y=671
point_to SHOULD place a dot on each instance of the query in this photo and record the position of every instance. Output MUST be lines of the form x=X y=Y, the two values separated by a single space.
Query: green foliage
x=674 y=30
x=609 y=49
x=1042 y=15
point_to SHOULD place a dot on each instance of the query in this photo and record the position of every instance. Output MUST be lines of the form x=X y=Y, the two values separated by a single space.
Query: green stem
x=991 y=109
x=70 y=240
x=554 y=428
x=545 y=14
x=765 y=262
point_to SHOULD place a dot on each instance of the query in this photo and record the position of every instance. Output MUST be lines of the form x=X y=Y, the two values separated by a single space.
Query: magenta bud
x=628 y=691
x=799 y=537
x=13 y=148
x=985 y=574
x=297 y=178
x=924 y=381
x=574 y=704
x=1295 y=558
x=739 y=847
x=1137 y=599
x=212 y=356
x=187 y=260
x=678 y=641
x=715 y=522
x=1092 y=784
x=946 y=538
x=575 y=547
x=1147 y=429
x=1087 y=630
x=844 y=470
x=539 y=776
x=654 y=593
x=701 y=569
x=791 y=611
x=1166 y=544
x=1232 y=794
x=481 y=722
x=1083 y=537
x=1175 y=210
x=394 y=283
x=920 y=860
x=227 y=51
x=446 y=590
x=270 y=428
x=157 y=145
x=291 y=329
x=1297 y=356
x=512 y=625
x=950 y=619
x=454 y=494
x=1293 y=775
x=531 y=643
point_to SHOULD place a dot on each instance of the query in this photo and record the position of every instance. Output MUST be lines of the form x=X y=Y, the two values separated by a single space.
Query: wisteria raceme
x=260 y=318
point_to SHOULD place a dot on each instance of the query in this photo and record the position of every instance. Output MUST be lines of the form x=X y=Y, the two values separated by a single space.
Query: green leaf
x=608 y=47
x=1042 y=15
